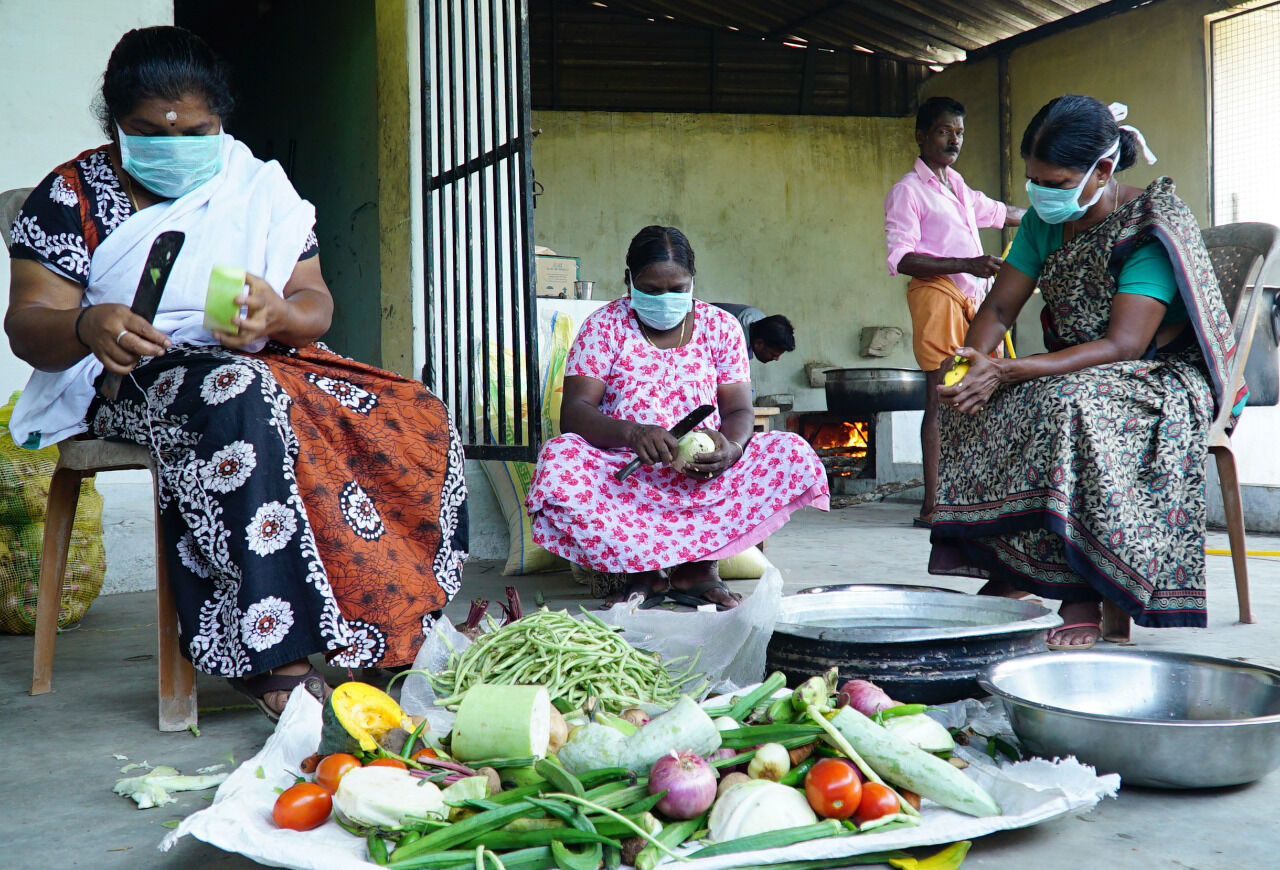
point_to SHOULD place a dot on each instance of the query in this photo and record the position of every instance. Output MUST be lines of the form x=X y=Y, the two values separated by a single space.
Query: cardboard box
x=556 y=274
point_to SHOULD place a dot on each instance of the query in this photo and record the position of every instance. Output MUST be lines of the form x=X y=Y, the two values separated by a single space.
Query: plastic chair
x=1246 y=259
x=79 y=458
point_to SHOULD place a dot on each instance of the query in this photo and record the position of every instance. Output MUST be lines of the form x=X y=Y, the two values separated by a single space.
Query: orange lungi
x=940 y=317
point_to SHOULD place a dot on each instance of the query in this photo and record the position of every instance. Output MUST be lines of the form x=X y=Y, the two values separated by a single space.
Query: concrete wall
x=53 y=55
x=784 y=212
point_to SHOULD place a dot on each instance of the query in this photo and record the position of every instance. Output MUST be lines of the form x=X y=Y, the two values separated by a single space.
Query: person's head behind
x=163 y=81
x=940 y=130
x=771 y=337
x=1073 y=143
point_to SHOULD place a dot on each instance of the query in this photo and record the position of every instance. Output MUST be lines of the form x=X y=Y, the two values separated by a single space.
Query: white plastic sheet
x=239 y=820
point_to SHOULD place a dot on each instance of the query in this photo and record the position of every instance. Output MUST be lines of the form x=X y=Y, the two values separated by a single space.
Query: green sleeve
x=1149 y=273
x=1035 y=241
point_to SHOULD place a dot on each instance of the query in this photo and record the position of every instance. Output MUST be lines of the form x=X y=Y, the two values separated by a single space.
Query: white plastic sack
x=733 y=658
x=730 y=645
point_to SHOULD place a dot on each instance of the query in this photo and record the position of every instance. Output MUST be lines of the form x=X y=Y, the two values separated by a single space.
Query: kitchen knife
x=678 y=431
x=146 y=299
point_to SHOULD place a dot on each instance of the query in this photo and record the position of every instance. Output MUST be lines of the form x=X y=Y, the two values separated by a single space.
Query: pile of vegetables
x=579 y=662
x=508 y=788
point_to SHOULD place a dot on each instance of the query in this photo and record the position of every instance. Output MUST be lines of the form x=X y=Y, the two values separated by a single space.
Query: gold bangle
x=736 y=444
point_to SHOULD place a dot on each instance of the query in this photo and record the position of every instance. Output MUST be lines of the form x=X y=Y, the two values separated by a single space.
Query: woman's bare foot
x=700 y=581
x=1081 y=624
x=1002 y=589
x=649 y=584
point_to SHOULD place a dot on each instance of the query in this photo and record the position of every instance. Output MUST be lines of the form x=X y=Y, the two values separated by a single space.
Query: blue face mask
x=171 y=166
x=661 y=310
x=1057 y=205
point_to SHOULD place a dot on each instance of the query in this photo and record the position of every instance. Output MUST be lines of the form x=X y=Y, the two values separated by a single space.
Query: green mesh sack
x=24 y=489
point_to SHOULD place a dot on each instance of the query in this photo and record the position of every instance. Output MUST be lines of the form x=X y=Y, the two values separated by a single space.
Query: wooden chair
x=1246 y=259
x=79 y=458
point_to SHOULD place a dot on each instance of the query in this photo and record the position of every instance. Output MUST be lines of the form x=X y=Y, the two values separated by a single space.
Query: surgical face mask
x=171 y=166
x=1056 y=205
x=661 y=310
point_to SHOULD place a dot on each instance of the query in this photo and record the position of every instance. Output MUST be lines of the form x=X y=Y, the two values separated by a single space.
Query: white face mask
x=1057 y=205
x=661 y=310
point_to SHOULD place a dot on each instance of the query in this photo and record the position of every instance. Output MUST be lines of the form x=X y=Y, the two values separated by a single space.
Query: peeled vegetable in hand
x=689 y=783
x=225 y=284
x=690 y=446
x=957 y=372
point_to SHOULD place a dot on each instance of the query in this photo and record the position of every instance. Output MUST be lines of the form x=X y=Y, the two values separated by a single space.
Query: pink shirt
x=921 y=216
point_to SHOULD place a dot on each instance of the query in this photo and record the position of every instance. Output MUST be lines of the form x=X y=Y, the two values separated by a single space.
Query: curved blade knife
x=146 y=299
x=678 y=431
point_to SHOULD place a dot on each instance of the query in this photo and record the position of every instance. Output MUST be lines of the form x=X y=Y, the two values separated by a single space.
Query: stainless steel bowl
x=1167 y=720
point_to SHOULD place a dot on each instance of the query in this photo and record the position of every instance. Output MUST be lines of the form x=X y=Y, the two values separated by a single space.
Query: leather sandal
x=257 y=687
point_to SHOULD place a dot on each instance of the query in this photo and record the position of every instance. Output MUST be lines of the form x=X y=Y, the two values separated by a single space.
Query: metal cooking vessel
x=1167 y=720
x=863 y=392
x=920 y=645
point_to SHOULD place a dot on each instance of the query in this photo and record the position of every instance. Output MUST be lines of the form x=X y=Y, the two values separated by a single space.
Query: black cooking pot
x=864 y=392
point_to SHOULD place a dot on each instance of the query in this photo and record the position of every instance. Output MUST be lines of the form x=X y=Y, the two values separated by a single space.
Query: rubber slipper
x=921 y=523
x=257 y=687
x=1071 y=647
x=652 y=595
x=695 y=595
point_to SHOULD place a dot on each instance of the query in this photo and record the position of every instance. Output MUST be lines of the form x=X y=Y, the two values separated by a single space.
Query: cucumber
x=684 y=726
x=907 y=766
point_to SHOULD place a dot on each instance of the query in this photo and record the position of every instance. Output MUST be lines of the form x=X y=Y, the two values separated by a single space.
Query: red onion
x=865 y=697
x=689 y=783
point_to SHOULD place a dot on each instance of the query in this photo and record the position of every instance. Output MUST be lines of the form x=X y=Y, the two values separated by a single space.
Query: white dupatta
x=248 y=216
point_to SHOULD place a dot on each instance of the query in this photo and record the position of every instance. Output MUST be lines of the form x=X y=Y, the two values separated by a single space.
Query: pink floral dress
x=657 y=517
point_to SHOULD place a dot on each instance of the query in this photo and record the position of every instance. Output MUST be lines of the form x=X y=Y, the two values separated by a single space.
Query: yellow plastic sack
x=24 y=489
x=511 y=480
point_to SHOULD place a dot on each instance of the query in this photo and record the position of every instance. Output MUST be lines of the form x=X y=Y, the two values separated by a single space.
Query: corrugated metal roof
x=926 y=31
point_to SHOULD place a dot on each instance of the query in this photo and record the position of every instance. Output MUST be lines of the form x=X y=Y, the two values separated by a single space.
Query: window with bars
x=1245 y=81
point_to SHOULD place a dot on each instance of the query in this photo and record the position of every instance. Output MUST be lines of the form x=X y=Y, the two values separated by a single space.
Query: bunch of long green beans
x=576 y=660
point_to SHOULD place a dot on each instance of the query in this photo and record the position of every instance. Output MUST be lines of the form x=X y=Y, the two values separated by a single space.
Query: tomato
x=834 y=788
x=424 y=752
x=302 y=807
x=388 y=762
x=877 y=800
x=333 y=768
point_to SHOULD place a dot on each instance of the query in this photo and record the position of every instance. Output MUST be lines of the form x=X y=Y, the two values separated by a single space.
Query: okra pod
x=377 y=849
x=748 y=702
x=754 y=735
x=670 y=836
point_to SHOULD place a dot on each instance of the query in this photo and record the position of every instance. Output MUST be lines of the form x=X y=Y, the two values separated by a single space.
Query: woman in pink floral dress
x=638 y=365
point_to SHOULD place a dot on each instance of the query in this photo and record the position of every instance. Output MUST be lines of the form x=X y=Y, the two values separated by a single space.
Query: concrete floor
x=59 y=810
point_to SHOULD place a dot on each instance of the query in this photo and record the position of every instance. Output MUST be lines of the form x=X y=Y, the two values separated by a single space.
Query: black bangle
x=79 y=317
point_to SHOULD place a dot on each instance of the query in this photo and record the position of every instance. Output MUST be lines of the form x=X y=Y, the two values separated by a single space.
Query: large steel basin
x=921 y=645
x=1161 y=719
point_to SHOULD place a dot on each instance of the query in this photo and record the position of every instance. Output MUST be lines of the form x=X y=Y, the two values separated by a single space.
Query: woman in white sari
x=310 y=503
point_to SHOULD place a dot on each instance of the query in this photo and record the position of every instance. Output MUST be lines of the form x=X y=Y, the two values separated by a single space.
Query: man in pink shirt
x=931 y=223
